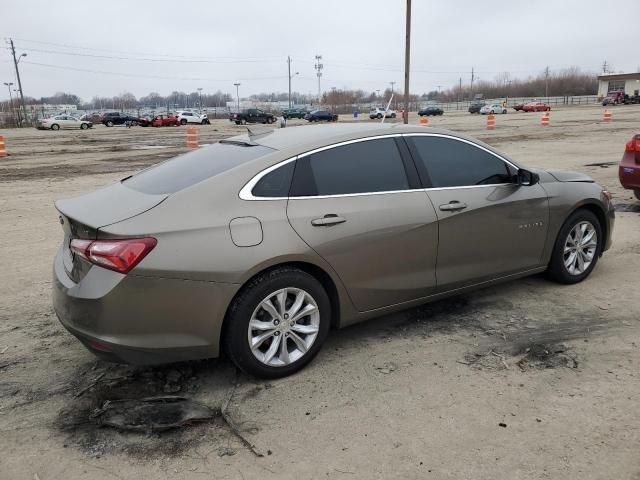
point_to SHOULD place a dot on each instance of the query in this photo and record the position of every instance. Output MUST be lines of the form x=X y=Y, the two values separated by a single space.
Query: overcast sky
x=171 y=45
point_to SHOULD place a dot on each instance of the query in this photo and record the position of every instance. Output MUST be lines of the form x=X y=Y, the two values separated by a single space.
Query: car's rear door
x=489 y=226
x=359 y=205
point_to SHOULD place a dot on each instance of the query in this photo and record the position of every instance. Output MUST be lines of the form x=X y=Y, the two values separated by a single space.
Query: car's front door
x=360 y=207
x=489 y=225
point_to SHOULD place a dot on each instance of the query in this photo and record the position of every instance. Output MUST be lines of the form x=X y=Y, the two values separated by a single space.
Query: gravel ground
x=524 y=380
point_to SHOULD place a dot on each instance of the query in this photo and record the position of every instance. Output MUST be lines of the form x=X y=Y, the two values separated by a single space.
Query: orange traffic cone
x=3 y=149
x=424 y=121
x=192 y=137
x=607 y=117
x=491 y=122
x=544 y=121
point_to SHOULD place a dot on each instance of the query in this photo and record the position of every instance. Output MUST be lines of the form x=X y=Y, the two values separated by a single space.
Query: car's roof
x=303 y=138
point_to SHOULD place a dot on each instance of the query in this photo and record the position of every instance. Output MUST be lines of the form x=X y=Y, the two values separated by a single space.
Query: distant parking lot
x=530 y=378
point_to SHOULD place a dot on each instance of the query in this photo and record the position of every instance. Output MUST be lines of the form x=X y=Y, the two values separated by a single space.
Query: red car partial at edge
x=629 y=169
x=536 y=107
x=165 y=121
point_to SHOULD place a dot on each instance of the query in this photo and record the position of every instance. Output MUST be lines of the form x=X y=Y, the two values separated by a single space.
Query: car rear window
x=186 y=170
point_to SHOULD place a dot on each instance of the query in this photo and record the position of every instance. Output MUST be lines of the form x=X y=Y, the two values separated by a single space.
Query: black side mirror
x=527 y=178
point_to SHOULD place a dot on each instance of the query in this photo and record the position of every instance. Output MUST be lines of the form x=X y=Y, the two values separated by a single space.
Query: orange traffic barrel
x=424 y=121
x=3 y=148
x=491 y=121
x=544 y=121
x=607 y=116
x=192 y=137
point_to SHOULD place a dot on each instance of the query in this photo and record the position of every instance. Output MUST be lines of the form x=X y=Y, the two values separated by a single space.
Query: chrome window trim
x=246 y=191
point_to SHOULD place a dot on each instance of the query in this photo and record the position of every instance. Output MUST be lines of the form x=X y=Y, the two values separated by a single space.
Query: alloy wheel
x=283 y=327
x=580 y=248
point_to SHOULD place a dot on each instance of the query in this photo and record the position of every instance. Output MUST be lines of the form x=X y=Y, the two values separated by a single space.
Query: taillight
x=118 y=255
x=633 y=145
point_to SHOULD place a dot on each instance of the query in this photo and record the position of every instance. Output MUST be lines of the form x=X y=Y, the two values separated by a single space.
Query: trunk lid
x=83 y=216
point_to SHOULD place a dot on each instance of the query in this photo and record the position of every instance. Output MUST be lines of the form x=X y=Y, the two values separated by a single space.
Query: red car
x=536 y=107
x=165 y=121
x=629 y=170
x=518 y=107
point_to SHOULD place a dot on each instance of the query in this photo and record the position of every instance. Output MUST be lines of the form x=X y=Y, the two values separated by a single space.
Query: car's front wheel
x=278 y=323
x=55 y=126
x=109 y=123
x=183 y=121
x=577 y=248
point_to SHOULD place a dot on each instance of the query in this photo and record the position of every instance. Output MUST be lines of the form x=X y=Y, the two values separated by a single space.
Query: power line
x=123 y=74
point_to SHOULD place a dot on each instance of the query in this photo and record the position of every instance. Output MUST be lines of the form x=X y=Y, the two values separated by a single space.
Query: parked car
x=536 y=107
x=63 y=121
x=381 y=112
x=185 y=117
x=165 y=121
x=294 y=113
x=145 y=120
x=428 y=111
x=493 y=108
x=518 y=107
x=629 y=169
x=118 y=118
x=322 y=115
x=301 y=229
x=476 y=106
x=614 y=97
x=251 y=115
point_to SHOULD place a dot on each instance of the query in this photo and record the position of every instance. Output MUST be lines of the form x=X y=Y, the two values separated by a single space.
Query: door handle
x=328 y=220
x=452 y=206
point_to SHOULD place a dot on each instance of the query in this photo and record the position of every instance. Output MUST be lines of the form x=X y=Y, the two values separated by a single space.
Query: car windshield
x=186 y=170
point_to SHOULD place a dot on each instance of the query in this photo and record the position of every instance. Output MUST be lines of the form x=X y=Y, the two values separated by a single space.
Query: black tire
x=238 y=123
x=183 y=121
x=243 y=121
x=109 y=123
x=235 y=341
x=55 y=126
x=636 y=192
x=204 y=122
x=393 y=115
x=379 y=116
x=557 y=270
x=83 y=126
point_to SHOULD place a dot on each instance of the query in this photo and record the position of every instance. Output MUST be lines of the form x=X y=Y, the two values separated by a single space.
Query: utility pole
x=472 y=79
x=200 y=99
x=15 y=63
x=237 y=84
x=392 y=84
x=459 y=91
x=605 y=67
x=546 y=82
x=407 y=60
x=318 y=66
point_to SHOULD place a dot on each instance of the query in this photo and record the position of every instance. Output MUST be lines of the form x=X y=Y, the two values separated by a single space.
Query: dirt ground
x=526 y=380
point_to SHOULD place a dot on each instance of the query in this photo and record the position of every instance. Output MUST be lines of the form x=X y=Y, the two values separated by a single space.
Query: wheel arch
x=320 y=274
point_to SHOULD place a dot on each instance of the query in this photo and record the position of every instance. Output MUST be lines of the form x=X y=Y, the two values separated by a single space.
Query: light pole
x=200 y=99
x=392 y=84
x=290 y=77
x=319 y=66
x=407 y=59
x=237 y=84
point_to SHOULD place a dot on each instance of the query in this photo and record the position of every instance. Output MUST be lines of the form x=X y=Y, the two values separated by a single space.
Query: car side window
x=361 y=167
x=275 y=183
x=448 y=162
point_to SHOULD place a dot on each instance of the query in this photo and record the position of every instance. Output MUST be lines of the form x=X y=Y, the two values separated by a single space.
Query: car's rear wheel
x=577 y=248
x=109 y=123
x=183 y=121
x=83 y=126
x=379 y=116
x=393 y=115
x=55 y=126
x=278 y=323
x=636 y=192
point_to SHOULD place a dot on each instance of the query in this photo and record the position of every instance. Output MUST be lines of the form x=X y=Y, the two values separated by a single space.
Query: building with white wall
x=629 y=82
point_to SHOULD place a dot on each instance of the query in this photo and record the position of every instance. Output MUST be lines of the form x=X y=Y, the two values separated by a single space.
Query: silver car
x=258 y=245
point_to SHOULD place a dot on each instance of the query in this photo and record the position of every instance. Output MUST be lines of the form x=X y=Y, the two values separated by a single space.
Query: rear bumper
x=141 y=320
x=629 y=174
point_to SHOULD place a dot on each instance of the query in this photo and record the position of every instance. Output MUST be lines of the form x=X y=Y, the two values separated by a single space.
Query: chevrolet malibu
x=259 y=244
